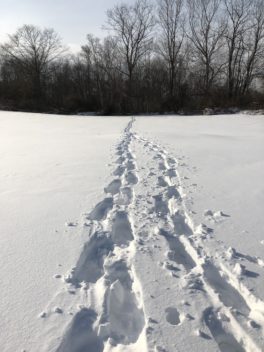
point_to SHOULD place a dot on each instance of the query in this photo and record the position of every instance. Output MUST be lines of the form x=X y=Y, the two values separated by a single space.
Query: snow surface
x=122 y=234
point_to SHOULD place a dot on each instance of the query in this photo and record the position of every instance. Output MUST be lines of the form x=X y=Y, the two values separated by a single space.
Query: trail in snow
x=146 y=279
x=202 y=277
x=105 y=270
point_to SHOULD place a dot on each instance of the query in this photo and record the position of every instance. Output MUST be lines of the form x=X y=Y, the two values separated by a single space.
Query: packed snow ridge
x=148 y=279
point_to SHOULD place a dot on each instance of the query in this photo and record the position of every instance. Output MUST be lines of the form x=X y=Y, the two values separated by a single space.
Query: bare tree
x=132 y=25
x=172 y=36
x=206 y=34
x=254 y=39
x=238 y=16
x=33 y=49
x=104 y=59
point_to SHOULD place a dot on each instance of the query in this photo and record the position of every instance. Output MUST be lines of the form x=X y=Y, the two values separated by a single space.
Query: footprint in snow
x=162 y=166
x=131 y=165
x=171 y=161
x=162 y=182
x=121 y=229
x=80 y=335
x=119 y=170
x=114 y=187
x=172 y=316
x=120 y=160
x=131 y=178
x=172 y=192
x=171 y=172
x=101 y=209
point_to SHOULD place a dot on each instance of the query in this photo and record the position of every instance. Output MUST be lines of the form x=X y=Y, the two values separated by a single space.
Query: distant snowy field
x=123 y=235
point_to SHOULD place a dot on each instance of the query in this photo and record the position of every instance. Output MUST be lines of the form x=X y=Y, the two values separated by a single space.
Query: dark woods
x=173 y=55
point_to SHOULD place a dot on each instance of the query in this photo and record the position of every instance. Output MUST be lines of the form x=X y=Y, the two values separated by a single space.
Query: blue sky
x=72 y=19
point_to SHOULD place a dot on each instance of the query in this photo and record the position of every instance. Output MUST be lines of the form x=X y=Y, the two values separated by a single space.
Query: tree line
x=167 y=56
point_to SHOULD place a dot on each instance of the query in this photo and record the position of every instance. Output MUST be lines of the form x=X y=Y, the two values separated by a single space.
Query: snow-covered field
x=122 y=234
